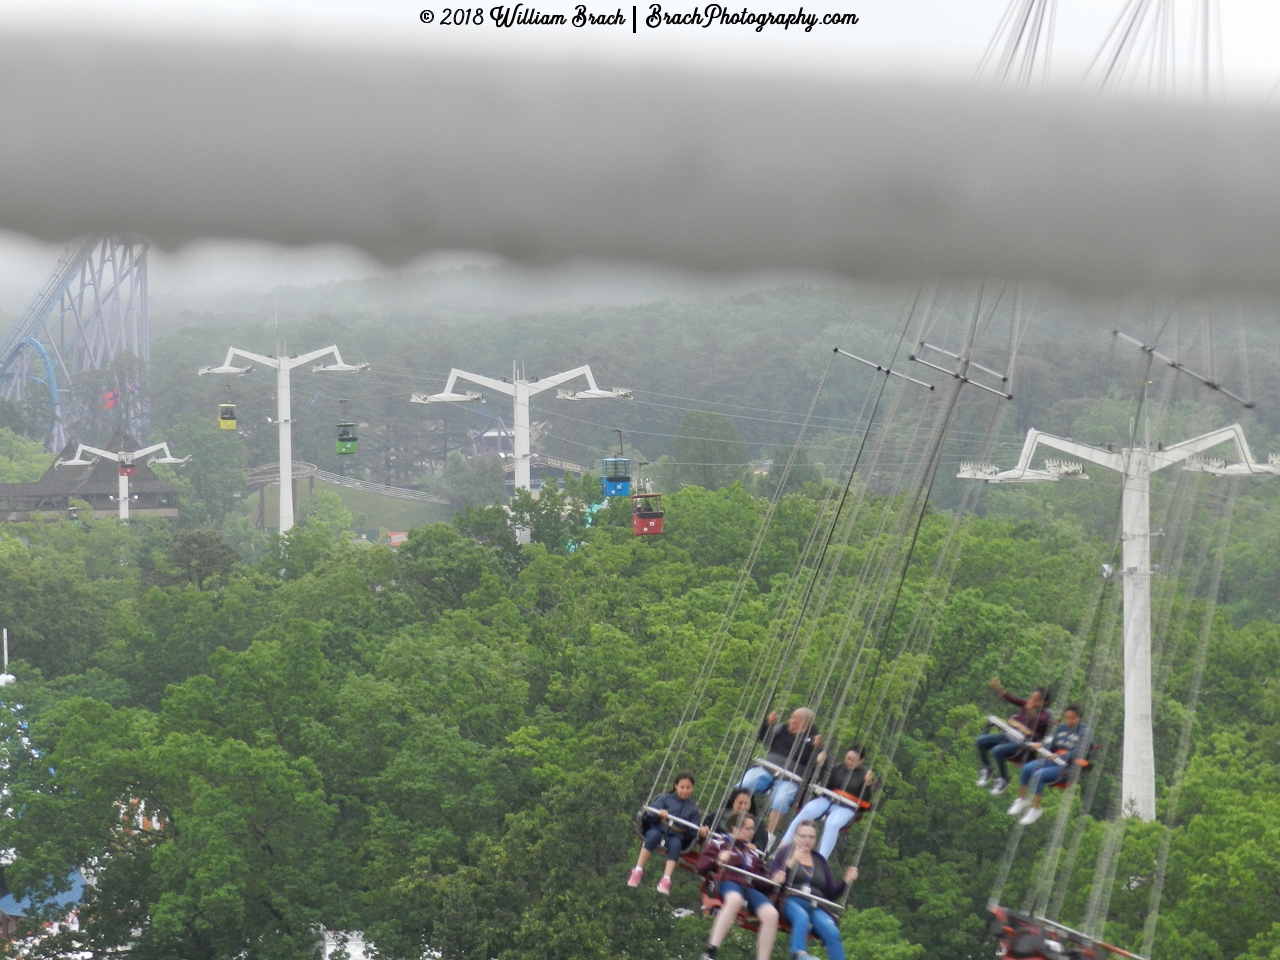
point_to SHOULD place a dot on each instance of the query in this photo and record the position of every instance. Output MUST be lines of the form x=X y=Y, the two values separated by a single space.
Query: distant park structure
x=96 y=483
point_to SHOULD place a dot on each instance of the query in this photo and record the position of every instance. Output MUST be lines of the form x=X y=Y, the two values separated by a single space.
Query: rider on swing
x=1032 y=720
x=1069 y=743
x=852 y=781
x=740 y=869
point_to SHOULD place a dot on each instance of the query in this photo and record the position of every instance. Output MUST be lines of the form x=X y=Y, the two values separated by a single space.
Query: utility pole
x=520 y=390
x=126 y=459
x=6 y=678
x=1135 y=464
x=284 y=417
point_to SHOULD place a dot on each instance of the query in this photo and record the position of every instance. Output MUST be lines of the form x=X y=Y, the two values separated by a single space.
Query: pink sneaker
x=636 y=876
x=664 y=886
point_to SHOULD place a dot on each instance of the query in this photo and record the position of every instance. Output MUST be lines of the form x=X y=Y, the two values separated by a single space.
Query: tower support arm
x=546 y=383
x=1234 y=434
x=232 y=353
x=1103 y=458
x=498 y=386
x=306 y=358
x=83 y=448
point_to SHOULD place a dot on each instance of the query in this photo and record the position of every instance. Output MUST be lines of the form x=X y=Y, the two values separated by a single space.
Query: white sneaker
x=771 y=841
x=1018 y=806
x=1031 y=816
x=999 y=787
x=984 y=777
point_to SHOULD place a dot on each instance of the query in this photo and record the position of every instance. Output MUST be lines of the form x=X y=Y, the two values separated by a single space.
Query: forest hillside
x=246 y=739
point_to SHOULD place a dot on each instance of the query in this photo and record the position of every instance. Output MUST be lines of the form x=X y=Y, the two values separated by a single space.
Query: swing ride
x=845 y=670
x=866 y=653
x=1036 y=938
x=845 y=690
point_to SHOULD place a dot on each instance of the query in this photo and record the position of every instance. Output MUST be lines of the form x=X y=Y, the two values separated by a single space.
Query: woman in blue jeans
x=660 y=829
x=803 y=869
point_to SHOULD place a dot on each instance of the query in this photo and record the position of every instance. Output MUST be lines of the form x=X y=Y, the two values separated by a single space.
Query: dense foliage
x=247 y=739
x=442 y=746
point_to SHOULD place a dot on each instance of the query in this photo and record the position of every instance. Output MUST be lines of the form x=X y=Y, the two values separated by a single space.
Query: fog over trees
x=442 y=747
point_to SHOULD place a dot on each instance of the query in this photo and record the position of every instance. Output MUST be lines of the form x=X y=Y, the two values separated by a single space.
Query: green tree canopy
x=708 y=451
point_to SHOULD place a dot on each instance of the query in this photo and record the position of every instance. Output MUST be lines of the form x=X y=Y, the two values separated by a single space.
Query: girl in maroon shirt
x=1032 y=720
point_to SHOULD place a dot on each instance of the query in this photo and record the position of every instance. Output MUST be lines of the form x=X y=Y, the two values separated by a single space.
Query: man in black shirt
x=790 y=748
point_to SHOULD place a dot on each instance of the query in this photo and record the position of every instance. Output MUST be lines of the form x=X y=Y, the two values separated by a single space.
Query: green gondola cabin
x=346 y=442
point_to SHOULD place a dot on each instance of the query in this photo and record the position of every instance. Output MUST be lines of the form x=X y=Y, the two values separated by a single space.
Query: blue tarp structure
x=65 y=901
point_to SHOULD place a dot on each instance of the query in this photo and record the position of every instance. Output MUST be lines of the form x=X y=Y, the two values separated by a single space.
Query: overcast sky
x=926 y=40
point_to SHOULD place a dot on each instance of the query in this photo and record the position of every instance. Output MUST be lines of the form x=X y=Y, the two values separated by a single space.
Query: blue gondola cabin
x=615 y=475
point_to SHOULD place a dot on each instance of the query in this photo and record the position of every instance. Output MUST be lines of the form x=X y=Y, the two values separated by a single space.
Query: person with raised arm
x=789 y=749
x=740 y=875
x=1031 y=721
x=801 y=870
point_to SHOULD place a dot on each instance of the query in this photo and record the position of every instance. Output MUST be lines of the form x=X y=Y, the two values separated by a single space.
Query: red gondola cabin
x=646 y=515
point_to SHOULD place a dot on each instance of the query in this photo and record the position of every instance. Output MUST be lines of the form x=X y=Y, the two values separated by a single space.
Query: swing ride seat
x=778 y=771
x=713 y=903
x=709 y=892
x=1023 y=755
x=857 y=804
x=688 y=860
x=1083 y=763
x=1028 y=937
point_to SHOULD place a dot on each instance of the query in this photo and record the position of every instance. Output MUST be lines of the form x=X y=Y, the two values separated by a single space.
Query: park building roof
x=97 y=483
x=13 y=909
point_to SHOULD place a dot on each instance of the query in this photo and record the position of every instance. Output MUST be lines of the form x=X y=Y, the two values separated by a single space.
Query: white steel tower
x=1135 y=464
x=284 y=416
x=520 y=390
x=126 y=459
